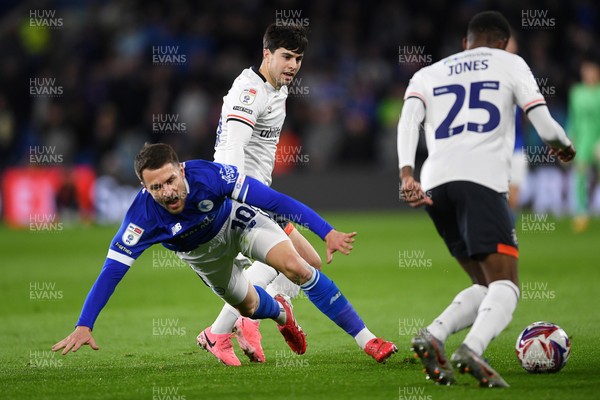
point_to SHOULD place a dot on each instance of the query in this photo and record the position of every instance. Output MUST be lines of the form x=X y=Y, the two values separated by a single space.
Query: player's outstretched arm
x=82 y=335
x=107 y=281
x=255 y=193
x=338 y=241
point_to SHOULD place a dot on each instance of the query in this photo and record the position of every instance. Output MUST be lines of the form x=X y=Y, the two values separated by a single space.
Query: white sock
x=494 y=314
x=363 y=337
x=225 y=320
x=261 y=274
x=281 y=284
x=460 y=314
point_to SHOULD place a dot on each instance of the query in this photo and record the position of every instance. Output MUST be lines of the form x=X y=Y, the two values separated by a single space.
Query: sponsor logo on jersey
x=132 y=234
x=205 y=222
x=269 y=109
x=270 y=133
x=243 y=109
x=205 y=205
x=247 y=96
x=227 y=173
x=175 y=228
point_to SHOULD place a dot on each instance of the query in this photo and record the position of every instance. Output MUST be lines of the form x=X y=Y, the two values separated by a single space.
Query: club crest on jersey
x=205 y=205
x=247 y=97
x=227 y=173
x=132 y=234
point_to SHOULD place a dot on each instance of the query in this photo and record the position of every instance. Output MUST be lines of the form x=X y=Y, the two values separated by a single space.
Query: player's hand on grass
x=565 y=155
x=411 y=193
x=338 y=241
x=81 y=335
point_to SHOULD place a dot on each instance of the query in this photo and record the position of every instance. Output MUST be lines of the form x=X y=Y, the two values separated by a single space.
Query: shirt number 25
x=446 y=129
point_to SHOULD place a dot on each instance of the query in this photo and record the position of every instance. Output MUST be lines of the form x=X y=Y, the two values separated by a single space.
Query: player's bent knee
x=247 y=310
x=249 y=305
x=297 y=271
x=315 y=262
x=285 y=259
x=312 y=258
x=305 y=249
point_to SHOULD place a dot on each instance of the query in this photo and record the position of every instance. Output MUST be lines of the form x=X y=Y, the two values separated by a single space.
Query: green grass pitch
x=399 y=277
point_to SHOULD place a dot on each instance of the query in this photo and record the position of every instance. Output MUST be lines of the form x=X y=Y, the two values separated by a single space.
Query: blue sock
x=330 y=301
x=268 y=307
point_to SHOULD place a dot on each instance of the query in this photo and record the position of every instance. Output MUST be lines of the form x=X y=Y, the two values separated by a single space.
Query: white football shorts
x=249 y=231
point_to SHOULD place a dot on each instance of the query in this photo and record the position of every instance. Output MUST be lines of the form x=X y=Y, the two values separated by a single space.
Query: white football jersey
x=256 y=103
x=469 y=102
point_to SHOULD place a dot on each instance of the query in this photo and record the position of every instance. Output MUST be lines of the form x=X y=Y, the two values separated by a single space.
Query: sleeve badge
x=247 y=96
x=132 y=234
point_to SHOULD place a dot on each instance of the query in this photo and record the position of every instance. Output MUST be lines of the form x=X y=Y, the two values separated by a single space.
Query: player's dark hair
x=154 y=156
x=291 y=37
x=490 y=24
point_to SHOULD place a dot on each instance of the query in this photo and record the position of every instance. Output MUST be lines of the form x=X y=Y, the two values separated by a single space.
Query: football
x=543 y=347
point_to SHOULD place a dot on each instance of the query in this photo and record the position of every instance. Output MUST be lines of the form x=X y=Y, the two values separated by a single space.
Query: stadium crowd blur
x=346 y=100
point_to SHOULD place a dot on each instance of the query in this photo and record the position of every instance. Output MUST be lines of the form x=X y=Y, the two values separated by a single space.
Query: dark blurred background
x=89 y=80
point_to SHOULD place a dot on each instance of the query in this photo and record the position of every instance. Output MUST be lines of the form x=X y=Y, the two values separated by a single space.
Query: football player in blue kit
x=205 y=212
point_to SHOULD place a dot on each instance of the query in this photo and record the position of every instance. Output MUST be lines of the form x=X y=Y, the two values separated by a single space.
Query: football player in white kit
x=251 y=121
x=466 y=105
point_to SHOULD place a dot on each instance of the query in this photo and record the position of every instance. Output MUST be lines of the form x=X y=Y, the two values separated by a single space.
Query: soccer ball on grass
x=543 y=347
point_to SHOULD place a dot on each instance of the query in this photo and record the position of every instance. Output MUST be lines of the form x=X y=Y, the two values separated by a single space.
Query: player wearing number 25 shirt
x=469 y=101
x=466 y=105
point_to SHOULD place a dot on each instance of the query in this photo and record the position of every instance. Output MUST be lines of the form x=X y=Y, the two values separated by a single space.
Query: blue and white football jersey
x=211 y=188
x=206 y=209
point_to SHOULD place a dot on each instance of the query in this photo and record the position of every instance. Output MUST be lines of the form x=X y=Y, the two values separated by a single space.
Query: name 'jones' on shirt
x=466 y=66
